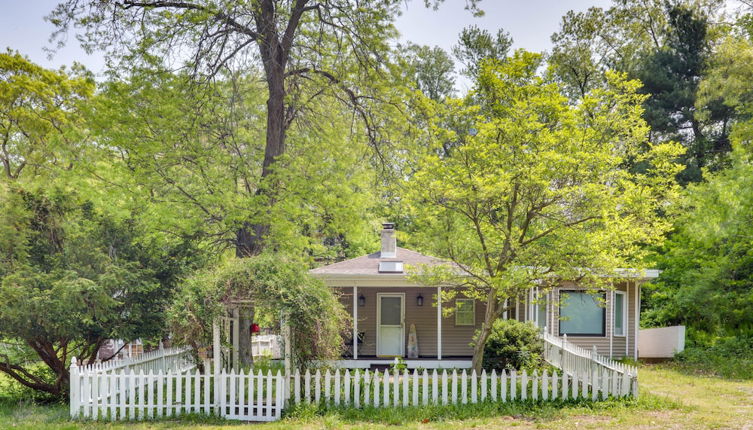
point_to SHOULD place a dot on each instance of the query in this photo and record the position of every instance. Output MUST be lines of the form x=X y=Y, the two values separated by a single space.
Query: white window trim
x=624 y=314
x=473 y=312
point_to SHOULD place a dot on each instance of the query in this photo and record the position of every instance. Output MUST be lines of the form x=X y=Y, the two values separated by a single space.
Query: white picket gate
x=136 y=395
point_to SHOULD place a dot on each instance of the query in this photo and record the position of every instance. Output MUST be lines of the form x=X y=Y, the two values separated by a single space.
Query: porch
x=396 y=319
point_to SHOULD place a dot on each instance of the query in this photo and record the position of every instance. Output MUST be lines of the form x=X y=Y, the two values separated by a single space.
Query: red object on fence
x=255 y=328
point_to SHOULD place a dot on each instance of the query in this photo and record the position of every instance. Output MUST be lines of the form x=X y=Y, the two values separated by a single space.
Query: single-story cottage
x=394 y=317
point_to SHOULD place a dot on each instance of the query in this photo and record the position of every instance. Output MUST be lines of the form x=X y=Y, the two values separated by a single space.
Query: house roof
x=368 y=265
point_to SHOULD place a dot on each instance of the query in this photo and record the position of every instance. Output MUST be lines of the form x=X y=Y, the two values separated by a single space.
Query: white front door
x=390 y=327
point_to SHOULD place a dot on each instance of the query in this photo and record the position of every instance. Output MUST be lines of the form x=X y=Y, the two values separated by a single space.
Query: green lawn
x=669 y=399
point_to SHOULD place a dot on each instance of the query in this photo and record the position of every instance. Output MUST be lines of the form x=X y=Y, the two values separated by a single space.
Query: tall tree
x=40 y=116
x=71 y=274
x=72 y=277
x=304 y=47
x=666 y=45
x=671 y=76
x=540 y=190
x=707 y=277
x=431 y=70
x=476 y=44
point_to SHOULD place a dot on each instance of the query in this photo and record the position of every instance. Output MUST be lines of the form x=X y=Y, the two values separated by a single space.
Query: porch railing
x=585 y=365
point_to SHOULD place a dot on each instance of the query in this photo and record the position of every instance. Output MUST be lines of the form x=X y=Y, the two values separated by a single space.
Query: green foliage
x=671 y=76
x=535 y=185
x=513 y=345
x=707 y=282
x=728 y=357
x=40 y=124
x=399 y=364
x=191 y=156
x=72 y=277
x=476 y=45
x=431 y=70
x=273 y=285
x=667 y=46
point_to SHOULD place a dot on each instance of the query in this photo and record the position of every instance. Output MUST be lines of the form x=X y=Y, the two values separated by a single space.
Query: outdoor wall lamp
x=419 y=300
x=361 y=300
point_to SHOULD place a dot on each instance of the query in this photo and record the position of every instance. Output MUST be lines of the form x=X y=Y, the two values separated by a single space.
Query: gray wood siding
x=618 y=347
x=455 y=339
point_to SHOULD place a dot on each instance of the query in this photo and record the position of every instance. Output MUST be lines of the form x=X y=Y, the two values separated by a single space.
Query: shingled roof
x=367 y=265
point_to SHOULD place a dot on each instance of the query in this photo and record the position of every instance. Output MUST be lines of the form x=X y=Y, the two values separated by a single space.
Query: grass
x=669 y=399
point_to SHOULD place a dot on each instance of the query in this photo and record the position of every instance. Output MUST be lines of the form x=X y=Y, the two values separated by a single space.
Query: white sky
x=529 y=22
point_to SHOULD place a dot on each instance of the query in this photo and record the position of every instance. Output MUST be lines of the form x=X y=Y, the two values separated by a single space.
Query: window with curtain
x=465 y=312
x=620 y=313
x=581 y=314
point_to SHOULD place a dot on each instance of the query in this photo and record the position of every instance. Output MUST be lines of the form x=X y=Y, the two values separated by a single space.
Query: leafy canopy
x=538 y=186
x=275 y=286
x=40 y=121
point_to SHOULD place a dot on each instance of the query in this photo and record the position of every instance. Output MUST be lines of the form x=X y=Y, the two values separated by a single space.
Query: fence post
x=286 y=338
x=74 y=389
x=217 y=358
x=162 y=353
x=593 y=372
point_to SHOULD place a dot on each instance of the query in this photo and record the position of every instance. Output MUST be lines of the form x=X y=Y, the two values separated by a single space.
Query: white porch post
x=627 y=326
x=610 y=324
x=439 y=323
x=216 y=345
x=637 y=317
x=355 y=322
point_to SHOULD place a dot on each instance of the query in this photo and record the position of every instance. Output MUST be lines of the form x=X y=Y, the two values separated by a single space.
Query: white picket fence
x=164 y=385
x=419 y=388
x=160 y=359
x=585 y=365
x=124 y=395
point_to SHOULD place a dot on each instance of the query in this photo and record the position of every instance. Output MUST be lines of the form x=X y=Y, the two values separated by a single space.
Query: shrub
x=728 y=357
x=513 y=345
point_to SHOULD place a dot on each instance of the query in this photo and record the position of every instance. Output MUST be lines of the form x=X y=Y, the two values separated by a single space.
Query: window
x=581 y=314
x=541 y=320
x=538 y=308
x=620 y=313
x=465 y=312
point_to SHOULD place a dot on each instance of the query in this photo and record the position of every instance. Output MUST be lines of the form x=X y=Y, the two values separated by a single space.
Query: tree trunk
x=245 y=319
x=274 y=53
x=250 y=238
x=490 y=316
